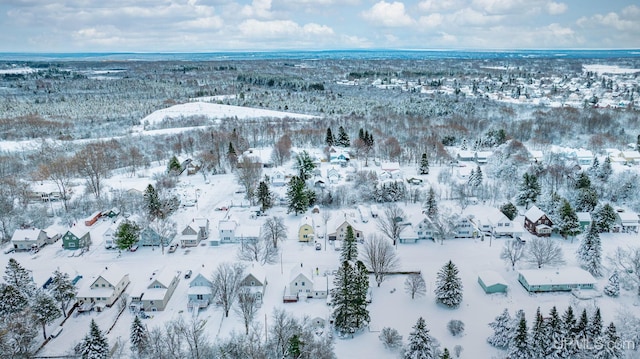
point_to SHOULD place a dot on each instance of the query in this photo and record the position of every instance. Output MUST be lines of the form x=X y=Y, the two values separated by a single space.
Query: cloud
x=627 y=21
x=281 y=29
x=388 y=14
x=258 y=8
x=440 y=5
x=556 y=8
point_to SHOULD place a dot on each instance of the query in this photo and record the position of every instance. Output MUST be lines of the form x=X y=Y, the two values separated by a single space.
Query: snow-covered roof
x=306 y=220
x=30 y=234
x=390 y=166
x=490 y=278
x=534 y=213
x=79 y=231
x=248 y=231
x=227 y=225
x=561 y=276
x=112 y=274
x=583 y=216
x=628 y=217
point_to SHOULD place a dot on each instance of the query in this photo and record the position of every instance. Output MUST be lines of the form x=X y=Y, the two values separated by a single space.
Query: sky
x=259 y=25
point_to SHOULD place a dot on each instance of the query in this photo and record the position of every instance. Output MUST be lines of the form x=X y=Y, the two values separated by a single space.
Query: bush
x=456 y=327
x=390 y=338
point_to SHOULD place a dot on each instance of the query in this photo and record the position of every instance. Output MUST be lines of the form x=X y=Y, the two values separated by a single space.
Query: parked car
x=187 y=274
x=9 y=250
x=172 y=248
x=318 y=246
x=134 y=248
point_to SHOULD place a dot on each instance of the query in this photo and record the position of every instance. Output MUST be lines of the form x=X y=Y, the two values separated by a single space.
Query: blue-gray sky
x=225 y=25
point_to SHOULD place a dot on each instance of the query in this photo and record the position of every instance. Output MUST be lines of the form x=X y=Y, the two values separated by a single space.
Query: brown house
x=537 y=222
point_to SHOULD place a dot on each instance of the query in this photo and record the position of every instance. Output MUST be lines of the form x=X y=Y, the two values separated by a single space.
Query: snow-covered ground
x=391 y=306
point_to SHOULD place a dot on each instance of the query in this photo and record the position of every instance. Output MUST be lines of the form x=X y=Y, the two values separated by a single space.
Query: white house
x=302 y=284
x=200 y=291
x=255 y=281
x=26 y=239
x=390 y=170
x=278 y=178
x=227 y=230
x=627 y=221
x=103 y=288
x=333 y=175
x=500 y=225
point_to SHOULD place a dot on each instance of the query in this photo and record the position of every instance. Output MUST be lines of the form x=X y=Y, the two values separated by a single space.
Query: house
x=584 y=218
x=196 y=231
x=499 y=225
x=227 y=230
x=537 y=222
x=408 y=234
x=93 y=218
x=255 y=282
x=390 y=170
x=333 y=175
x=302 y=285
x=155 y=293
x=339 y=158
x=482 y=157
x=465 y=228
x=278 y=179
x=626 y=221
x=584 y=157
x=112 y=213
x=26 y=239
x=425 y=229
x=466 y=156
x=52 y=235
x=108 y=238
x=45 y=191
x=630 y=157
x=248 y=233
x=192 y=168
x=200 y=293
x=492 y=282
x=149 y=237
x=103 y=288
x=341 y=232
x=76 y=237
x=306 y=229
x=554 y=280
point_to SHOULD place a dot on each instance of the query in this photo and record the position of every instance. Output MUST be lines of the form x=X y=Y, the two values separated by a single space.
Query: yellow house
x=305 y=231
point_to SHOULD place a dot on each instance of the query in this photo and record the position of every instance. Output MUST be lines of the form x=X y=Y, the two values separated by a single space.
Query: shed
x=556 y=280
x=492 y=282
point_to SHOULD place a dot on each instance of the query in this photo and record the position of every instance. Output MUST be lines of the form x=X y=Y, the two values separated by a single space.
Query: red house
x=537 y=222
x=92 y=218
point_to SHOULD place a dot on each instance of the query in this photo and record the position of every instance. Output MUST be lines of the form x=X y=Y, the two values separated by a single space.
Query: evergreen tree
x=612 y=289
x=294 y=349
x=569 y=224
x=582 y=181
x=529 y=190
x=519 y=346
x=609 y=346
x=594 y=170
x=349 y=247
x=304 y=165
x=297 y=196
x=139 y=337
x=341 y=299
x=45 y=310
x=501 y=330
x=570 y=333
x=449 y=286
x=19 y=277
x=264 y=195
x=12 y=300
x=152 y=202
x=329 y=139
x=360 y=285
x=421 y=344
x=232 y=156
x=605 y=170
x=445 y=354
x=343 y=139
x=62 y=289
x=94 y=345
x=594 y=329
x=590 y=252
x=174 y=167
x=604 y=217
x=431 y=205
x=509 y=210
x=555 y=332
x=475 y=179
x=586 y=199
x=540 y=340
x=581 y=328
x=127 y=234
x=424 y=165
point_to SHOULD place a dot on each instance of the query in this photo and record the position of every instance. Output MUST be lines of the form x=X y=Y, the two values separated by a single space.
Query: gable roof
x=112 y=274
x=534 y=213
x=30 y=234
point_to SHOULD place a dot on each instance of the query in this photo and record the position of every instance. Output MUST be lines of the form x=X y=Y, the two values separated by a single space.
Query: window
x=103 y=285
x=296 y=284
x=151 y=302
x=302 y=284
x=199 y=297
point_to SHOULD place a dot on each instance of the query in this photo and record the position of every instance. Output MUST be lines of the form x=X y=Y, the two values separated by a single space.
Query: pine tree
x=19 y=277
x=604 y=217
x=341 y=299
x=94 y=345
x=152 y=202
x=594 y=329
x=45 y=310
x=569 y=224
x=127 y=234
x=294 y=349
x=12 y=300
x=581 y=328
x=232 y=156
x=590 y=252
x=570 y=333
x=304 y=165
x=420 y=344
x=605 y=170
x=62 y=289
x=297 y=198
x=612 y=289
x=360 y=288
x=449 y=286
x=609 y=346
x=539 y=336
x=264 y=195
x=343 y=138
x=475 y=178
x=501 y=330
x=424 y=165
x=139 y=337
x=519 y=346
x=329 y=139
x=445 y=354
x=431 y=205
x=555 y=333
x=349 y=247
x=595 y=167
x=509 y=210
x=173 y=167
x=528 y=191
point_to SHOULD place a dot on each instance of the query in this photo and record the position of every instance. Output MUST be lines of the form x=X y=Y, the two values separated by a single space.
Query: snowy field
x=391 y=306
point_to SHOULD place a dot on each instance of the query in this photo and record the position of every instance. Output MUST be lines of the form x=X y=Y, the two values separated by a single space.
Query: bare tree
x=58 y=172
x=379 y=256
x=194 y=334
x=390 y=223
x=415 y=285
x=226 y=284
x=260 y=250
x=512 y=251
x=248 y=173
x=274 y=230
x=544 y=251
x=281 y=150
x=627 y=261
x=165 y=229
x=445 y=225
x=283 y=327
x=247 y=307
x=94 y=163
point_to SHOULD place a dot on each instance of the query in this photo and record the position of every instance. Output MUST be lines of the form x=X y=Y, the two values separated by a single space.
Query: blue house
x=556 y=280
x=199 y=293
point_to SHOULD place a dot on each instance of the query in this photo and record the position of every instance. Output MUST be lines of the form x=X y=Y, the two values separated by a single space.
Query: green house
x=76 y=238
x=492 y=282
x=556 y=280
x=584 y=218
